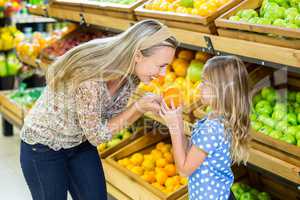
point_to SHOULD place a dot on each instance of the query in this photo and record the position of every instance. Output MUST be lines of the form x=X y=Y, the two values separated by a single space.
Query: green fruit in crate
x=257 y=98
x=292 y=119
x=298 y=143
x=298 y=97
x=291 y=12
x=276 y=134
x=265 y=130
x=247 y=14
x=289 y=139
x=292 y=130
x=297 y=20
x=253 y=117
x=292 y=26
x=247 y=196
x=282 y=126
x=266 y=120
x=194 y=72
x=280 y=23
x=237 y=190
x=279 y=115
x=268 y=94
x=235 y=18
x=256 y=125
x=113 y=142
x=255 y=192
x=263 y=196
x=264 y=21
x=187 y=3
x=126 y=135
x=263 y=108
x=253 y=20
x=298 y=134
x=273 y=12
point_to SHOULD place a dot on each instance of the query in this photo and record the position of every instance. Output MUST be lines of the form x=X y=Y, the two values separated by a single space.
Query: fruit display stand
x=268 y=34
x=133 y=185
x=191 y=22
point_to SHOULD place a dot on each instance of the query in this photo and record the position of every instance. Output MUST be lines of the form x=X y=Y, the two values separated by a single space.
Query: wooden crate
x=106 y=9
x=133 y=185
x=40 y=10
x=109 y=151
x=11 y=111
x=254 y=32
x=185 y=21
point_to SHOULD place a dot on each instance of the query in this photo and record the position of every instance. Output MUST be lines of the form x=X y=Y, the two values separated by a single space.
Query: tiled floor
x=12 y=183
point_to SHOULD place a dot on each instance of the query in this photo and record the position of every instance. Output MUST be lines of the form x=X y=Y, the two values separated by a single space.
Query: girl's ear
x=138 y=57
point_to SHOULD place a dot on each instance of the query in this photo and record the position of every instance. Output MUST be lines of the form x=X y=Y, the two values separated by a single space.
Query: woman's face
x=148 y=68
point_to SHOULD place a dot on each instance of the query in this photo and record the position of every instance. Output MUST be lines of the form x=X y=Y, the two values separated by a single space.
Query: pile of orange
x=157 y=168
x=202 y=8
x=176 y=85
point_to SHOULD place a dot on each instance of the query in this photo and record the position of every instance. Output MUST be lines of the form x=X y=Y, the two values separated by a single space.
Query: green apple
x=298 y=143
x=280 y=107
x=266 y=120
x=255 y=192
x=290 y=11
x=276 y=134
x=256 y=125
x=126 y=135
x=282 y=126
x=253 y=20
x=269 y=94
x=292 y=130
x=279 y=115
x=292 y=95
x=253 y=117
x=292 y=118
x=292 y=26
x=113 y=142
x=297 y=20
x=298 y=133
x=298 y=118
x=273 y=12
x=194 y=72
x=264 y=21
x=282 y=3
x=263 y=196
x=289 y=139
x=265 y=130
x=248 y=14
x=279 y=22
x=263 y=108
x=235 y=18
x=257 y=98
x=237 y=190
x=247 y=196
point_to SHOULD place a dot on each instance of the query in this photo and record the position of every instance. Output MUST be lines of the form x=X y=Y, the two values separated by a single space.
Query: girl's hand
x=149 y=103
x=172 y=116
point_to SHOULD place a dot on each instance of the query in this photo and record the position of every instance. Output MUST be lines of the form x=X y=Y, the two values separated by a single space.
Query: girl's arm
x=186 y=160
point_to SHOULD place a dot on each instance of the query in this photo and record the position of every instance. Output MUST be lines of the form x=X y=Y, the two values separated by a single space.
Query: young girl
x=221 y=138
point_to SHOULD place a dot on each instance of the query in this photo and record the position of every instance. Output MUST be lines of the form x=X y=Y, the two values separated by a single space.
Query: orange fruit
x=169 y=157
x=183 y=181
x=161 y=177
x=148 y=165
x=130 y=166
x=170 y=170
x=159 y=80
x=162 y=162
x=160 y=145
x=173 y=94
x=170 y=182
x=177 y=179
x=148 y=157
x=158 y=186
x=137 y=159
x=186 y=55
x=149 y=176
x=170 y=77
x=158 y=170
x=137 y=170
x=166 y=148
x=155 y=6
x=202 y=56
x=203 y=10
x=156 y=154
x=180 y=66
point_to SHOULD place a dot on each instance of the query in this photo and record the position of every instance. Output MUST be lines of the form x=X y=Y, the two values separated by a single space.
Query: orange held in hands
x=173 y=94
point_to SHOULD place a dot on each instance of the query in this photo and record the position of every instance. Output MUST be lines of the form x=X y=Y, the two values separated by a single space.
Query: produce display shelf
x=37 y=63
x=115 y=192
x=264 y=54
x=11 y=111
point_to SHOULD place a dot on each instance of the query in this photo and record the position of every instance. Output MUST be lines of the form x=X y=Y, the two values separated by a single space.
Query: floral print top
x=64 y=119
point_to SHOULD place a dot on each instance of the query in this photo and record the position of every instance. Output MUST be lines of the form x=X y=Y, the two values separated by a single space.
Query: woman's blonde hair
x=108 y=58
x=228 y=77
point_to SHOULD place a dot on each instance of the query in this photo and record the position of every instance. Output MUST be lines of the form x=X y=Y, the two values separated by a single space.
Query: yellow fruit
x=137 y=159
x=170 y=170
x=203 y=10
x=176 y=187
x=126 y=162
x=183 y=181
x=159 y=169
x=158 y=186
x=194 y=11
x=148 y=165
x=145 y=87
x=171 y=8
x=149 y=176
x=177 y=179
x=101 y=147
x=162 y=162
x=169 y=157
x=198 y=3
x=148 y=157
x=170 y=77
x=180 y=66
x=156 y=154
x=160 y=145
x=170 y=183
x=164 y=6
x=161 y=177
x=186 y=55
x=137 y=170
x=180 y=81
x=148 y=6
x=130 y=166
x=166 y=148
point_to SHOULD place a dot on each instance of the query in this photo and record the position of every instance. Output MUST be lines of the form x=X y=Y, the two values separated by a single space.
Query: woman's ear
x=138 y=57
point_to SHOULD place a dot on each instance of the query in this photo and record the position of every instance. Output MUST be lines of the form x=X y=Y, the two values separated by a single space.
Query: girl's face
x=206 y=92
x=148 y=68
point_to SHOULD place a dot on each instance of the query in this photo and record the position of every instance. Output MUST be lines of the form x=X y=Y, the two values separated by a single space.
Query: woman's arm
x=186 y=160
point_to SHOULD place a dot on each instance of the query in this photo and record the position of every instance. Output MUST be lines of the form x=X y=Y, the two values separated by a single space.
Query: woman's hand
x=172 y=116
x=149 y=103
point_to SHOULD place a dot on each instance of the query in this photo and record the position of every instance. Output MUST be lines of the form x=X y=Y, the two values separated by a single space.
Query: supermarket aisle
x=12 y=184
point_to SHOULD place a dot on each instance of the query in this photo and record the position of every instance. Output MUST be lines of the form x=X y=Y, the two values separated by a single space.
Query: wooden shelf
x=115 y=192
x=41 y=10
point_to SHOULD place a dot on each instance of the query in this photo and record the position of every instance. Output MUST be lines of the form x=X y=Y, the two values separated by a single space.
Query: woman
x=84 y=105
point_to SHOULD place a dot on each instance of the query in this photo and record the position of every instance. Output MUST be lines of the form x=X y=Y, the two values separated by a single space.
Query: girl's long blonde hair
x=228 y=77
x=108 y=58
